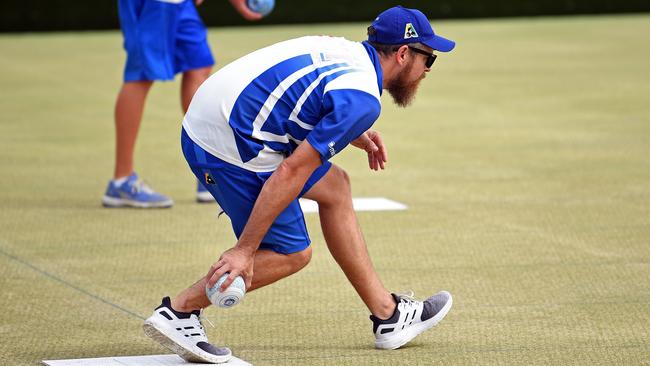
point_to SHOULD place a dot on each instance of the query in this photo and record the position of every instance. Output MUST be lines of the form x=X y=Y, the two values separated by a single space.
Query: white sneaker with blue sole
x=411 y=317
x=183 y=334
x=134 y=193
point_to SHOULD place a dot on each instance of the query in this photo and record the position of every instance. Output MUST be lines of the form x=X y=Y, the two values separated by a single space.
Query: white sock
x=120 y=181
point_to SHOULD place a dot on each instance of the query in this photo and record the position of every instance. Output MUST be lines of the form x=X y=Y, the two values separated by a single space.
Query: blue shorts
x=162 y=39
x=236 y=190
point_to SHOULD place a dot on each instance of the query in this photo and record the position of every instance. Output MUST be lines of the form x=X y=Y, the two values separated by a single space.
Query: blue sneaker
x=134 y=193
x=202 y=194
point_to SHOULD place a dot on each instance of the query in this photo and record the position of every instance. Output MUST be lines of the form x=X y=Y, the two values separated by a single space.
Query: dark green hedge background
x=44 y=15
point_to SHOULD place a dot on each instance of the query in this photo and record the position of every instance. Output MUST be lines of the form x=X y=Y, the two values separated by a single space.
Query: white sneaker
x=411 y=318
x=202 y=194
x=183 y=336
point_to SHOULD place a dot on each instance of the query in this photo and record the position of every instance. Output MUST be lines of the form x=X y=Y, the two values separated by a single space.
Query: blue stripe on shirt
x=283 y=125
x=277 y=122
x=253 y=97
x=251 y=100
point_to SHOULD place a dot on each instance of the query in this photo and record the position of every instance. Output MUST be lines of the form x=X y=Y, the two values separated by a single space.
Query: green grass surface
x=525 y=162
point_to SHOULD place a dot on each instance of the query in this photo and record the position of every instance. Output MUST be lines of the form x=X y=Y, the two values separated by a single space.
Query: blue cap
x=399 y=25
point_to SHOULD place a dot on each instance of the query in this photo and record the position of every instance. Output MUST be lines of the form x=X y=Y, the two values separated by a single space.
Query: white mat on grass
x=153 y=360
x=360 y=204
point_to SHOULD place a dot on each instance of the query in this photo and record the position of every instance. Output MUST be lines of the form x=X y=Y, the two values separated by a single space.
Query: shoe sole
x=405 y=336
x=112 y=202
x=195 y=355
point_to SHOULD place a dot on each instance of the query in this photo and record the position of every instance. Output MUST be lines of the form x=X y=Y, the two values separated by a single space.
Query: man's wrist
x=246 y=248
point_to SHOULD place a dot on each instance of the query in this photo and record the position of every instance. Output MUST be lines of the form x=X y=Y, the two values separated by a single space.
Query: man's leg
x=176 y=325
x=345 y=240
x=128 y=115
x=191 y=81
x=269 y=267
x=393 y=324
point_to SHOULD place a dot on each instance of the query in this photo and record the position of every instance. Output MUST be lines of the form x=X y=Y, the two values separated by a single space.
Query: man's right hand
x=235 y=260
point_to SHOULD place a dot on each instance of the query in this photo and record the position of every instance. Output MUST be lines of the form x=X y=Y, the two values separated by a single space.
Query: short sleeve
x=348 y=114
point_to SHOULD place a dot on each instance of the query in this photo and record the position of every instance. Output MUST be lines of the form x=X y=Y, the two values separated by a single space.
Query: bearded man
x=259 y=134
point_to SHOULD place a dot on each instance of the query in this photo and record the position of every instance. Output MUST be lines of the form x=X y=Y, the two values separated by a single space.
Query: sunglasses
x=431 y=58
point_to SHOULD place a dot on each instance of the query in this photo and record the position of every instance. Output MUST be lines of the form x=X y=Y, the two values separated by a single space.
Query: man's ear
x=401 y=55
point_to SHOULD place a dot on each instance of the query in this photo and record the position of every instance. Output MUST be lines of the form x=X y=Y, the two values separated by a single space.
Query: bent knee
x=300 y=259
x=342 y=177
x=339 y=189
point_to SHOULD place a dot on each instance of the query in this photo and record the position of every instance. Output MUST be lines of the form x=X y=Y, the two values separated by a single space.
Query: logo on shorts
x=208 y=179
x=410 y=32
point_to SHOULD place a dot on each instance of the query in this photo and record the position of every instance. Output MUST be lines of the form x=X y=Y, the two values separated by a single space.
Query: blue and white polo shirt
x=255 y=111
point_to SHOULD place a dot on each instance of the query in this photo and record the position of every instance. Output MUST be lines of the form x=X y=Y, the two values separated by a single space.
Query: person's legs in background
x=129 y=108
x=192 y=79
x=194 y=59
x=144 y=29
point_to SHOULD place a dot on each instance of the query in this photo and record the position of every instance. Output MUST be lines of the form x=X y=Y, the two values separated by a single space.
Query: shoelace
x=141 y=186
x=202 y=316
x=407 y=297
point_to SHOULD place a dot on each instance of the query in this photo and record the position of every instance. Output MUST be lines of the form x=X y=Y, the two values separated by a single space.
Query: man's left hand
x=372 y=143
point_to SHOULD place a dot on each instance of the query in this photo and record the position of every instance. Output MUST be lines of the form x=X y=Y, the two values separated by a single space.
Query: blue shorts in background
x=162 y=39
x=236 y=190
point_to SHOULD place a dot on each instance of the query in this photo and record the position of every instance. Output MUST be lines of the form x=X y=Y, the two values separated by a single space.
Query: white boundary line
x=360 y=204
x=153 y=360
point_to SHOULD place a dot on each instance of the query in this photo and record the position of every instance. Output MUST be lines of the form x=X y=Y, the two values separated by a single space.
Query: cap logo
x=410 y=32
